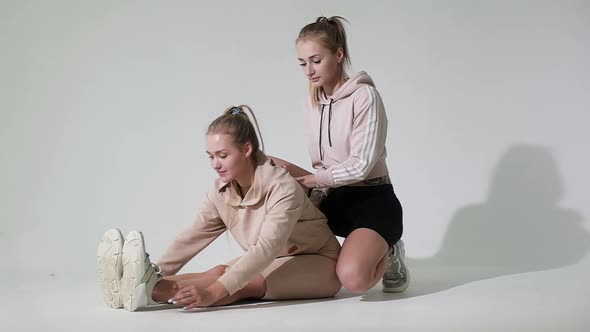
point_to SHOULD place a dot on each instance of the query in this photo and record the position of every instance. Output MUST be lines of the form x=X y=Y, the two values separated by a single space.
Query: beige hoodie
x=346 y=135
x=274 y=219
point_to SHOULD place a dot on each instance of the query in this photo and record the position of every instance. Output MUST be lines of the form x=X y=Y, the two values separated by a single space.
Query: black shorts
x=375 y=207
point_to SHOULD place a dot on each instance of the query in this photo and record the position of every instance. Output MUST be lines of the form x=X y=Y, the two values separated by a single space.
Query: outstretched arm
x=206 y=228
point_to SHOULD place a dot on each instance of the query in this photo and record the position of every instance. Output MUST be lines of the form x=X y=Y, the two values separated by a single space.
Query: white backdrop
x=103 y=108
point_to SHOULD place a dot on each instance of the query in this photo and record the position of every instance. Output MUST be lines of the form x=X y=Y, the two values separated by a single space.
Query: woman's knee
x=354 y=277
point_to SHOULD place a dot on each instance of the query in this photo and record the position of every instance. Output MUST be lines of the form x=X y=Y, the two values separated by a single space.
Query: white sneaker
x=139 y=274
x=397 y=276
x=110 y=266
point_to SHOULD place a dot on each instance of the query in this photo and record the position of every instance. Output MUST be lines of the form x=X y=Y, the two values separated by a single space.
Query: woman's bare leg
x=255 y=289
x=302 y=277
x=292 y=277
x=363 y=260
x=167 y=288
x=216 y=271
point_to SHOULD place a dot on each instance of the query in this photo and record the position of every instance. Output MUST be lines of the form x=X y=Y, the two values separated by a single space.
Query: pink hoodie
x=346 y=135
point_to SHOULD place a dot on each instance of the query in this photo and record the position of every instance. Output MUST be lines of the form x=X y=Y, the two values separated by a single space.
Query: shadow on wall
x=519 y=228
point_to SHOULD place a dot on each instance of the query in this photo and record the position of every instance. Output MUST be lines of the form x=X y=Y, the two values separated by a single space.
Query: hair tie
x=236 y=110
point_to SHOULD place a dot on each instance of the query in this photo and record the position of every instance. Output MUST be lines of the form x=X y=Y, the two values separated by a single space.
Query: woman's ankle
x=164 y=290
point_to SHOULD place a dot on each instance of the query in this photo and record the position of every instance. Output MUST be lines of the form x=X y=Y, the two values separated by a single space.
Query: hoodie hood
x=354 y=83
x=263 y=172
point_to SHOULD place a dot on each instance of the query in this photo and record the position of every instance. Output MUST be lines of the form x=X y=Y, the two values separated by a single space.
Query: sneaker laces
x=157 y=270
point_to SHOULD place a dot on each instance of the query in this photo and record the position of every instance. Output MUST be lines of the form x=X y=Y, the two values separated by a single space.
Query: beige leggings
x=305 y=276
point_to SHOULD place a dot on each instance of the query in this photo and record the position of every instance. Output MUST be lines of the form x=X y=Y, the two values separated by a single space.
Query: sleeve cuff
x=324 y=179
x=231 y=285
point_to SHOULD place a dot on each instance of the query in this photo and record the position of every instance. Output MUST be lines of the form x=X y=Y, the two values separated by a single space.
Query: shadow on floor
x=519 y=228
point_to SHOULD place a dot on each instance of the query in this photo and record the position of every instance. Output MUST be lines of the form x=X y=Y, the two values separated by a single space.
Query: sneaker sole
x=134 y=257
x=110 y=267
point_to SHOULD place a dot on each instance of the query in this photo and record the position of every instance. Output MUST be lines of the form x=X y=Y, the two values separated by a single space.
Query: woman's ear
x=340 y=54
x=247 y=148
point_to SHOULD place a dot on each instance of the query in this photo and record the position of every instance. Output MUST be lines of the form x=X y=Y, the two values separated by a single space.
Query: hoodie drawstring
x=330 y=122
x=322 y=126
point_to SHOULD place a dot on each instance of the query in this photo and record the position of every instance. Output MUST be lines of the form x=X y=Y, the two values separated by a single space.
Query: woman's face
x=229 y=160
x=320 y=65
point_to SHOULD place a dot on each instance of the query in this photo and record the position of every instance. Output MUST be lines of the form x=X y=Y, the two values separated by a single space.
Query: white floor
x=441 y=299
